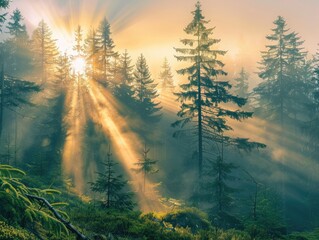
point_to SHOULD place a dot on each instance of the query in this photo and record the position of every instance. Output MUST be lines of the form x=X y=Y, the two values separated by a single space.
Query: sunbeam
x=124 y=143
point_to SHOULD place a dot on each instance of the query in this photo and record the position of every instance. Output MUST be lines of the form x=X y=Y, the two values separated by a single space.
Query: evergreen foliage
x=44 y=51
x=112 y=187
x=145 y=165
x=145 y=92
x=17 y=208
x=166 y=77
x=241 y=84
x=17 y=53
x=106 y=49
x=92 y=53
x=204 y=97
x=280 y=71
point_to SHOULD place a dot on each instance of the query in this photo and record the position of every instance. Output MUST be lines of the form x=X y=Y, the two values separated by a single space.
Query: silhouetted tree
x=145 y=165
x=106 y=51
x=145 y=92
x=63 y=72
x=44 y=50
x=3 y=4
x=204 y=98
x=113 y=187
x=92 y=51
x=279 y=70
x=16 y=55
x=241 y=84
x=166 y=77
x=124 y=90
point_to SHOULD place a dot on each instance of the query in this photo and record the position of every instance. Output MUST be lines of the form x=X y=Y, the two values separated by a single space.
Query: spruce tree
x=44 y=50
x=124 y=90
x=63 y=72
x=312 y=125
x=112 y=186
x=241 y=84
x=279 y=72
x=145 y=92
x=3 y=5
x=145 y=165
x=204 y=98
x=19 y=57
x=126 y=68
x=16 y=28
x=106 y=51
x=78 y=48
x=92 y=51
x=166 y=77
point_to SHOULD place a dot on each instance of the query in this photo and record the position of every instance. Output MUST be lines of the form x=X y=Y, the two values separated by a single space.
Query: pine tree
x=79 y=46
x=166 y=77
x=126 y=68
x=217 y=191
x=44 y=50
x=19 y=56
x=241 y=84
x=279 y=70
x=3 y=4
x=146 y=166
x=92 y=51
x=204 y=98
x=145 y=91
x=124 y=90
x=312 y=125
x=106 y=51
x=113 y=186
x=63 y=74
x=115 y=73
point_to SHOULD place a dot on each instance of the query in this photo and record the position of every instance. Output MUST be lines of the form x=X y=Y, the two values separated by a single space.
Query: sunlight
x=78 y=65
x=124 y=143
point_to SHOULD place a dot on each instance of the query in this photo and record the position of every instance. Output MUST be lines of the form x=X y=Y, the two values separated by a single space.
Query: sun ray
x=125 y=144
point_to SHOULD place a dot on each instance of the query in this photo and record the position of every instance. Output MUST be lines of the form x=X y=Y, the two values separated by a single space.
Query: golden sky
x=154 y=27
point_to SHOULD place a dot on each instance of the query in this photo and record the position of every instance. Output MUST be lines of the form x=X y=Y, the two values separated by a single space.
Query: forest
x=94 y=145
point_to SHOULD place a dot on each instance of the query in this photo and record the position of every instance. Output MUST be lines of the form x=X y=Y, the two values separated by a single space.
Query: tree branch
x=58 y=216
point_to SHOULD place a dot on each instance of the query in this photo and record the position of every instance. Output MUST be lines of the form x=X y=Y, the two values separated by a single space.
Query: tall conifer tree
x=145 y=92
x=204 y=97
x=44 y=50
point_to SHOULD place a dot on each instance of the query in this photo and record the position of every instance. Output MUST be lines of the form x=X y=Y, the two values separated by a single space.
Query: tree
x=124 y=90
x=204 y=98
x=3 y=4
x=145 y=91
x=241 y=84
x=14 y=93
x=78 y=47
x=18 y=54
x=126 y=68
x=106 y=51
x=113 y=186
x=279 y=70
x=146 y=166
x=311 y=126
x=44 y=50
x=166 y=77
x=92 y=51
x=16 y=29
x=63 y=74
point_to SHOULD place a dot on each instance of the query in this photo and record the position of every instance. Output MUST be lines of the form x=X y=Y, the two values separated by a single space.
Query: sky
x=154 y=27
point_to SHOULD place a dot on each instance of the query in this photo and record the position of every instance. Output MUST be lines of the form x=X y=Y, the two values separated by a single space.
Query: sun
x=78 y=65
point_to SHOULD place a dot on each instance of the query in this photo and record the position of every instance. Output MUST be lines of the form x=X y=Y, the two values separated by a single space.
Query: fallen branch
x=58 y=216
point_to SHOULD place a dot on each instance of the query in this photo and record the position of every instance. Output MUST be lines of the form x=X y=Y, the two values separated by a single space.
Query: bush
x=191 y=218
x=8 y=233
